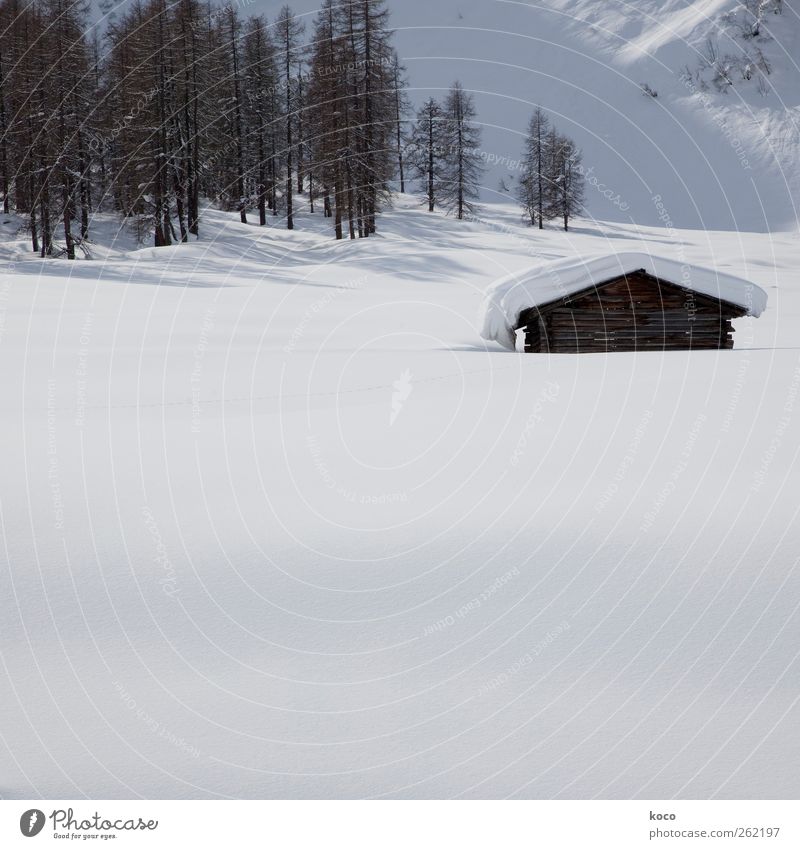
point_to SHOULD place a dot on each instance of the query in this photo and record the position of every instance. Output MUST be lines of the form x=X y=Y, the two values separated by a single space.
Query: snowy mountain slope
x=717 y=160
x=276 y=523
x=721 y=161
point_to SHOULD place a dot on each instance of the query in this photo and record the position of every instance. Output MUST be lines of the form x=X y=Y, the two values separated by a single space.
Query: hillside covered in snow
x=715 y=157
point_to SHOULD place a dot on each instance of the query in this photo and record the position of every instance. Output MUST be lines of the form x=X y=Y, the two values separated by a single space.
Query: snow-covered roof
x=547 y=282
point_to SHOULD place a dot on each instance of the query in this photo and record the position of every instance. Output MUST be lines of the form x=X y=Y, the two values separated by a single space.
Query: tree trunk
x=47 y=245
x=289 y=158
x=68 y=220
x=5 y=184
x=339 y=203
x=399 y=133
x=34 y=231
x=179 y=208
x=431 y=166
x=370 y=186
x=241 y=202
x=540 y=176
x=460 y=173
x=273 y=178
x=300 y=167
x=262 y=180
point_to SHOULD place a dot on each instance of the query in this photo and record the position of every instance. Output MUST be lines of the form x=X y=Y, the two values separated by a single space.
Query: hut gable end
x=643 y=290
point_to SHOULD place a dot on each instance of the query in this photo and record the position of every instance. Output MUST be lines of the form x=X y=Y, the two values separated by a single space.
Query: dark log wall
x=633 y=313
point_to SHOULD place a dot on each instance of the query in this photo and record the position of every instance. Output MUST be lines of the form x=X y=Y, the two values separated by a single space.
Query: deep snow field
x=278 y=523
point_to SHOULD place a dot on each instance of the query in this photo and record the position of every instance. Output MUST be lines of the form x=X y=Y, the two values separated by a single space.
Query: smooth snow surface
x=276 y=523
x=550 y=281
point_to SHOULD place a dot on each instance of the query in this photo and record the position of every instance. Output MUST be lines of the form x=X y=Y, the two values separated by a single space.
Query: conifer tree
x=326 y=106
x=462 y=163
x=186 y=99
x=233 y=35
x=532 y=187
x=352 y=99
x=566 y=192
x=289 y=31
x=427 y=149
x=401 y=107
x=261 y=118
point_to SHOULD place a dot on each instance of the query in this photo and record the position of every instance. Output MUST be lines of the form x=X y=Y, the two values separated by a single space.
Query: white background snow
x=277 y=523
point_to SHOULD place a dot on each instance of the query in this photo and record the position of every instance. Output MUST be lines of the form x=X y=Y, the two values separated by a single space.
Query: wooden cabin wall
x=633 y=313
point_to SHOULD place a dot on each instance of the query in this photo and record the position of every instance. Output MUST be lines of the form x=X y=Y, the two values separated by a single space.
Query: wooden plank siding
x=634 y=312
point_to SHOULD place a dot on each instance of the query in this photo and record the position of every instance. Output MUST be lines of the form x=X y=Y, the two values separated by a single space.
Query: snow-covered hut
x=618 y=302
